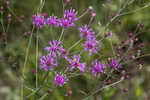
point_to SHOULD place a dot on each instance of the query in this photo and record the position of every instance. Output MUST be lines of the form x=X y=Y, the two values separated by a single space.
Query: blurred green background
x=13 y=48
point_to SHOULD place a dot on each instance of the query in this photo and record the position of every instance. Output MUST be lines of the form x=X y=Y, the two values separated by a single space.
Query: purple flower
x=91 y=46
x=75 y=62
x=98 y=67
x=113 y=63
x=53 y=21
x=71 y=15
x=48 y=62
x=38 y=20
x=86 y=32
x=66 y=23
x=55 y=48
x=60 y=79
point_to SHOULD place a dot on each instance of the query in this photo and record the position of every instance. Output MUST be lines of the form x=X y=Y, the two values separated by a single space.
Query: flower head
x=75 y=62
x=60 y=79
x=114 y=63
x=71 y=15
x=48 y=62
x=86 y=32
x=91 y=46
x=53 y=21
x=38 y=20
x=66 y=23
x=98 y=67
x=55 y=48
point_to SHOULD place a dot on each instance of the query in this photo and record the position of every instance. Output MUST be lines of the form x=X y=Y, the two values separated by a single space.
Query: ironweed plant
x=59 y=64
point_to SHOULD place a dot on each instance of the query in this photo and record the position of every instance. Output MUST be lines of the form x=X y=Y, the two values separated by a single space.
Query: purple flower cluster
x=86 y=32
x=98 y=67
x=75 y=62
x=60 y=79
x=68 y=19
x=47 y=63
x=53 y=21
x=55 y=48
x=113 y=63
x=38 y=20
x=70 y=14
x=91 y=44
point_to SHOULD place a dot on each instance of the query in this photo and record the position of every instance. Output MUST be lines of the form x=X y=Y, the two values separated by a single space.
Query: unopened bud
x=90 y=8
x=9 y=16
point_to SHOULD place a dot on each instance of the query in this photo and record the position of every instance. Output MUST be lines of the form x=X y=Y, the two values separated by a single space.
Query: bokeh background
x=13 y=48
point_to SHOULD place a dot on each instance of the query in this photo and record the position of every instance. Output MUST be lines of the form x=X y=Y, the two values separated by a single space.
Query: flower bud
x=27 y=33
x=22 y=17
x=8 y=3
x=90 y=8
x=68 y=1
x=69 y=93
x=1 y=9
x=93 y=14
x=140 y=24
x=125 y=90
x=141 y=45
x=130 y=34
x=32 y=71
x=9 y=16
x=4 y=35
x=48 y=91
x=107 y=82
x=119 y=21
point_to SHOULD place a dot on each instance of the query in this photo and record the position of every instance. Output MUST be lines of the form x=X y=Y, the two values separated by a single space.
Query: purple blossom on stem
x=60 y=79
x=75 y=62
x=71 y=15
x=86 y=31
x=1 y=9
x=91 y=46
x=32 y=71
x=66 y=23
x=93 y=14
x=9 y=16
x=4 y=35
x=55 y=48
x=114 y=64
x=98 y=67
x=22 y=17
x=27 y=33
x=38 y=20
x=53 y=21
x=47 y=63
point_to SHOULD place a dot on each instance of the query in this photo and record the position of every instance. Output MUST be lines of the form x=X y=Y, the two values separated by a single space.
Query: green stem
x=75 y=44
x=2 y=23
x=40 y=87
x=8 y=26
x=27 y=50
x=42 y=98
x=26 y=57
x=103 y=88
x=62 y=32
x=37 y=40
